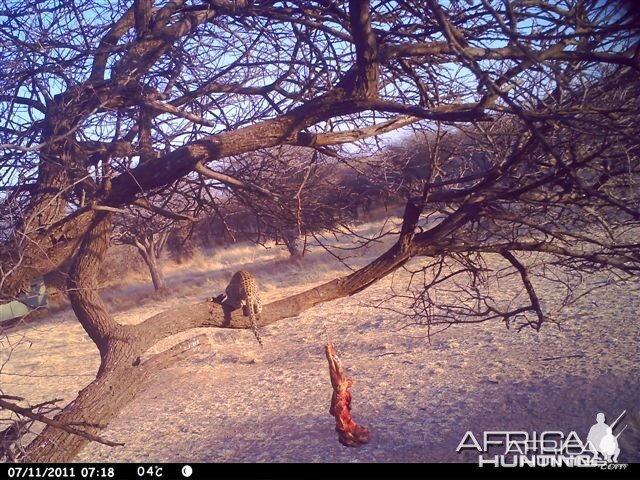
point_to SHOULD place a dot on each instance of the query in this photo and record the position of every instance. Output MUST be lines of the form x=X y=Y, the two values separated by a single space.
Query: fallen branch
x=548 y=359
x=350 y=433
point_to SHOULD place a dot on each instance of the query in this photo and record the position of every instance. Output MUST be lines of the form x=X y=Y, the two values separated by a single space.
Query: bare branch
x=26 y=412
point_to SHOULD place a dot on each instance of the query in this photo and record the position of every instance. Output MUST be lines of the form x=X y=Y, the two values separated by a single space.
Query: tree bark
x=116 y=382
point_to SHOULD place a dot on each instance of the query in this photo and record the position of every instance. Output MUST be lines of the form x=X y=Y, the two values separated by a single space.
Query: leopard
x=243 y=291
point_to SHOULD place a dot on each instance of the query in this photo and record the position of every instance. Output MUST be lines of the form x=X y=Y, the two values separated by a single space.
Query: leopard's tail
x=253 y=318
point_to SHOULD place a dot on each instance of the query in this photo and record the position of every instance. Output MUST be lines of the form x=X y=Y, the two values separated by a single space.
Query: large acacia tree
x=108 y=103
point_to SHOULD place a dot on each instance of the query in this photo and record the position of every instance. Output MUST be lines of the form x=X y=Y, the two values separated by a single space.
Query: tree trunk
x=96 y=405
x=121 y=374
x=117 y=380
x=292 y=240
x=150 y=255
x=157 y=276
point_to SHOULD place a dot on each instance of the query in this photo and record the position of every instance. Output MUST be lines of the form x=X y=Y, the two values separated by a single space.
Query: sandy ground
x=418 y=396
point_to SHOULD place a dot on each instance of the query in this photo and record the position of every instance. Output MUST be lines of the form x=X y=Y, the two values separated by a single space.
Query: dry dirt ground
x=418 y=396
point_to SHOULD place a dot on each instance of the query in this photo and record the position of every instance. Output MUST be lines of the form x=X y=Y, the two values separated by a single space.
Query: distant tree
x=148 y=226
x=149 y=238
x=107 y=105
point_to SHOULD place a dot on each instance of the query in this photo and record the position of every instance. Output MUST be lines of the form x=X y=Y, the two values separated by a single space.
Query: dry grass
x=128 y=284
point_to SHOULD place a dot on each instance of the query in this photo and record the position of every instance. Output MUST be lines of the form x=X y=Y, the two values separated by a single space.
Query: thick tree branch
x=108 y=44
x=83 y=286
x=441 y=52
x=337 y=138
x=29 y=102
x=365 y=80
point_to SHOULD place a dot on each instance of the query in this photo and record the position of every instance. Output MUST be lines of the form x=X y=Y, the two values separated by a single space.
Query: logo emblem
x=602 y=441
x=517 y=448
